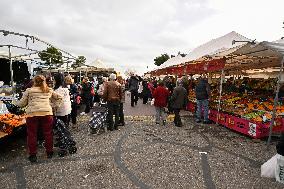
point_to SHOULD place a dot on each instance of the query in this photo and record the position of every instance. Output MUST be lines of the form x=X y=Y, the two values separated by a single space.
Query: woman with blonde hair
x=39 y=114
x=74 y=94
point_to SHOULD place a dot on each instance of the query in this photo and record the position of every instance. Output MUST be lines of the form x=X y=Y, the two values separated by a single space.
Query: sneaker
x=33 y=158
x=49 y=155
x=157 y=123
x=82 y=113
x=164 y=122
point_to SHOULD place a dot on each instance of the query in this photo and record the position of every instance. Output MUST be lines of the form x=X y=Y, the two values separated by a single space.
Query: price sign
x=252 y=129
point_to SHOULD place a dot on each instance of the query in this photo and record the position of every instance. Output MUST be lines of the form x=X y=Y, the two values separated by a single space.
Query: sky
x=129 y=34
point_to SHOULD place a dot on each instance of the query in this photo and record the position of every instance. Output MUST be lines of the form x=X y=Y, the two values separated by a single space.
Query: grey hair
x=112 y=77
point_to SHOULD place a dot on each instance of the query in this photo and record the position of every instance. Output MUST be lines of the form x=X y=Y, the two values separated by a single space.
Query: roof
x=98 y=64
x=220 y=46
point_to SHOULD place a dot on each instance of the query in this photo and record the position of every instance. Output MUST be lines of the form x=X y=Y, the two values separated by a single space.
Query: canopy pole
x=275 y=103
x=11 y=68
x=220 y=95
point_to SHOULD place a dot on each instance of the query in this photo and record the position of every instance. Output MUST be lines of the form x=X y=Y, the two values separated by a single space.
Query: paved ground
x=143 y=155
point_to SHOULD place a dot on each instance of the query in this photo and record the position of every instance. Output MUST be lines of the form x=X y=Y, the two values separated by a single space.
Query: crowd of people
x=61 y=98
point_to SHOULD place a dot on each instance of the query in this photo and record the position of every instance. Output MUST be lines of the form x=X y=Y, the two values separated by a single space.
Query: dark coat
x=133 y=83
x=179 y=98
x=86 y=91
x=202 y=90
x=161 y=95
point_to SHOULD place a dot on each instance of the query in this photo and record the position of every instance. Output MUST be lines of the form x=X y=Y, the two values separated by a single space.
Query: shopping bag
x=279 y=171
x=269 y=167
x=152 y=102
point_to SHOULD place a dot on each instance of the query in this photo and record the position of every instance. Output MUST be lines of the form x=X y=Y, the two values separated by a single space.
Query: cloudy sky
x=131 y=33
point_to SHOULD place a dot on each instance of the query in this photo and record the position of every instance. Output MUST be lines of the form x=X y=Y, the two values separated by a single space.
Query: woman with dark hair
x=64 y=110
x=86 y=94
x=161 y=95
x=39 y=114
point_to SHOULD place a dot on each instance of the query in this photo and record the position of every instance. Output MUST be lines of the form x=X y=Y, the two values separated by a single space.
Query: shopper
x=39 y=114
x=145 y=92
x=86 y=95
x=62 y=112
x=102 y=86
x=202 y=92
x=74 y=94
x=160 y=96
x=133 y=88
x=178 y=102
x=121 y=114
x=112 y=95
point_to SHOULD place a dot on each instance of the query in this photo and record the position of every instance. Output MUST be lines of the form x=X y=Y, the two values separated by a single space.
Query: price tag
x=252 y=129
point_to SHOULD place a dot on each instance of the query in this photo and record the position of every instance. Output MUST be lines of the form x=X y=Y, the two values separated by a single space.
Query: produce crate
x=213 y=115
x=279 y=125
x=222 y=118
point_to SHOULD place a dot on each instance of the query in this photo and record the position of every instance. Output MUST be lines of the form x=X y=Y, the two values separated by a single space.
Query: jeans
x=160 y=113
x=46 y=124
x=113 y=109
x=202 y=104
x=177 y=119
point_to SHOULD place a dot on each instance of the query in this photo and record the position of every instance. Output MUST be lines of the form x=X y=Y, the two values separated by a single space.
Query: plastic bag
x=279 y=170
x=269 y=167
x=152 y=102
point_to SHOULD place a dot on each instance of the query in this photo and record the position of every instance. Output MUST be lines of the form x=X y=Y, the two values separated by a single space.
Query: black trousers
x=177 y=119
x=121 y=114
x=73 y=114
x=134 y=97
x=87 y=105
x=113 y=109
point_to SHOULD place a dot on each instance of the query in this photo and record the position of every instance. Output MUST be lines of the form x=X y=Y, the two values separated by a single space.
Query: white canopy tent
x=218 y=47
x=261 y=55
x=98 y=64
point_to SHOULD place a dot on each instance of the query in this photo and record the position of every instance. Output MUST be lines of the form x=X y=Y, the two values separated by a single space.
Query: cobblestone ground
x=143 y=155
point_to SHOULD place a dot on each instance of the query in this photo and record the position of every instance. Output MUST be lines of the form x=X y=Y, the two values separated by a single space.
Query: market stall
x=246 y=105
x=243 y=103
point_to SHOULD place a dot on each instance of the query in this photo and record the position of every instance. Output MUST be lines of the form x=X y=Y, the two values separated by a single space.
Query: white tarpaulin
x=218 y=47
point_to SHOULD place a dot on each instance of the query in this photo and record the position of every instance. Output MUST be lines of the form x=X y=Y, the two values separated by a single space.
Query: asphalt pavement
x=142 y=154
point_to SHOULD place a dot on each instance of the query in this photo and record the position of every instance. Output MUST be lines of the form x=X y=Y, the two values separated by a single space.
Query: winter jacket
x=86 y=90
x=179 y=98
x=161 y=95
x=133 y=83
x=73 y=91
x=38 y=102
x=202 y=90
x=122 y=93
x=65 y=107
x=112 y=92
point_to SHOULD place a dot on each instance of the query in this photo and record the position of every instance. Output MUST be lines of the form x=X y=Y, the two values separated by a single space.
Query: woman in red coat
x=160 y=95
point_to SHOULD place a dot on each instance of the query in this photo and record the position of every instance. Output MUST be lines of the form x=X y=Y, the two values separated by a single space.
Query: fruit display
x=9 y=121
x=245 y=106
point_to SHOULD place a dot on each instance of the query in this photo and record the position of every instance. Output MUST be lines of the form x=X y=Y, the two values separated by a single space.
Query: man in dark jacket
x=133 y=85
x=178 y=102
x=112 y=94
x=202 y=92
